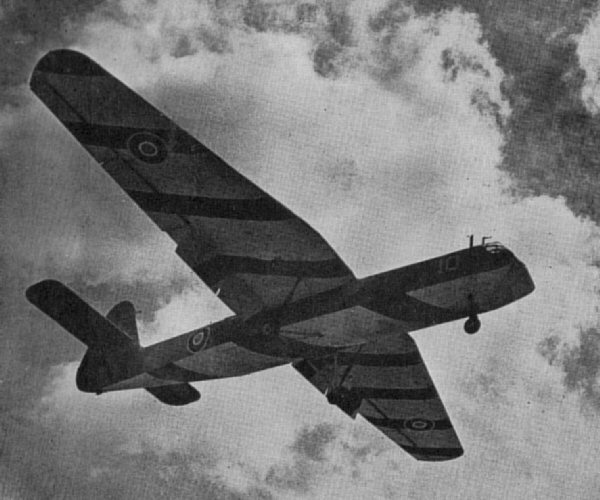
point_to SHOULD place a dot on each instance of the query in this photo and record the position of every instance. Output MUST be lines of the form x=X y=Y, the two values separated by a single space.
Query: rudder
x=122 y=315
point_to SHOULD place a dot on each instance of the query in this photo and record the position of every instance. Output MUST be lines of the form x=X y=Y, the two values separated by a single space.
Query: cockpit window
x=494 y=247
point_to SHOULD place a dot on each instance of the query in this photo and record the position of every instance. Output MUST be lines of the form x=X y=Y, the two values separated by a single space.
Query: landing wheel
x=472 y=325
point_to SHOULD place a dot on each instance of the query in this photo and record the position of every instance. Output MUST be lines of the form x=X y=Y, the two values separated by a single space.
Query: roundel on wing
x=198 y=340
x=419 y=424
x=147 y=147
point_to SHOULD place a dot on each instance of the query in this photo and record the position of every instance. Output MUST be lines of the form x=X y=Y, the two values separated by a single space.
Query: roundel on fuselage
x=198 y=340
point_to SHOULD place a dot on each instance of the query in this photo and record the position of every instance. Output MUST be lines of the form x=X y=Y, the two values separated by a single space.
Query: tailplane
x=114 y=353
x=78 y=318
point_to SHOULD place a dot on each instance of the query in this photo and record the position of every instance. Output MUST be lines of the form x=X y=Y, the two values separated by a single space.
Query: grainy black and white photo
x=299 y=249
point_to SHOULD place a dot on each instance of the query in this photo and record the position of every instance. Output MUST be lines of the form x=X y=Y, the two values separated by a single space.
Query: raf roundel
x=198 y=340
x=147 y=147
x=419 y=424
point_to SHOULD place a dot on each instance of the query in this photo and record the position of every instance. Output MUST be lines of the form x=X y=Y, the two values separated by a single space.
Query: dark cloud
x=338 y=35
x=309 y=460
x=312 y=443
x=580 y=364
x=258 y=15
x=27 y=27
x=183 y=47
x=552 y=140
x=487 y=387
x=46 y=455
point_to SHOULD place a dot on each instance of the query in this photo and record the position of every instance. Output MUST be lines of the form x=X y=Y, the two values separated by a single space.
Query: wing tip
x=434 y=454
x=68 y=62
x=40 y=291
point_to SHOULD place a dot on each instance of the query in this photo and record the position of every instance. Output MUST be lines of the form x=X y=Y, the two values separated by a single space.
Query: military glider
x=295 y=301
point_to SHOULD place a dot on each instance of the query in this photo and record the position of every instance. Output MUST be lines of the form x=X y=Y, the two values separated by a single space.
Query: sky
x=396 y=129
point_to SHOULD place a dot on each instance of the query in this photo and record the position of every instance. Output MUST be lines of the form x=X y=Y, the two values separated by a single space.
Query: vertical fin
x=122 y=316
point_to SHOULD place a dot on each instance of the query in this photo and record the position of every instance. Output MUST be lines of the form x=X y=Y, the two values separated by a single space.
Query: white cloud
x=588 y=50
x=395 y=160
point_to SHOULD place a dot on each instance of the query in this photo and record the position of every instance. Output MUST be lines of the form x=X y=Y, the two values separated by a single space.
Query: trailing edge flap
x=244 y=244
x=392 y=390
x=175 y=394
x=76 y=316
x=122 y=315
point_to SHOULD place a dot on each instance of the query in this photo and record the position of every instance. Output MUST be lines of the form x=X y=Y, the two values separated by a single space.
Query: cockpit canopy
x=497 y=253
x=494 y=247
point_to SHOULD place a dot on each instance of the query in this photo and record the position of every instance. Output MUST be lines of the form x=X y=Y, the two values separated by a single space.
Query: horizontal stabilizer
x=175 y=394
x=77 y=317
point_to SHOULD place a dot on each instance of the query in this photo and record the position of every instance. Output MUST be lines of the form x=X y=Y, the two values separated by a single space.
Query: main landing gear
x=472 y=325
x=345 y=398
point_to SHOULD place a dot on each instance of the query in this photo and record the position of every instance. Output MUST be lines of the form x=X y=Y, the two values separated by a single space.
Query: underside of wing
x=387 y=383
x=239 y=241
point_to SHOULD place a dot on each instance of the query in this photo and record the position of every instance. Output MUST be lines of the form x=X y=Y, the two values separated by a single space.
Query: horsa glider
x=294 y=299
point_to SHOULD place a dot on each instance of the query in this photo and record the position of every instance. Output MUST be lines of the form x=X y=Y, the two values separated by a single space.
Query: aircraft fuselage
x=453 y=286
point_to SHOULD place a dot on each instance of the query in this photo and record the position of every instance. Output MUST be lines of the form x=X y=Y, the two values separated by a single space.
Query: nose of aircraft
x=520 y=280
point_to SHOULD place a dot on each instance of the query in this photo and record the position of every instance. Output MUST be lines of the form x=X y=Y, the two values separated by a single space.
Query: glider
x=294 y=300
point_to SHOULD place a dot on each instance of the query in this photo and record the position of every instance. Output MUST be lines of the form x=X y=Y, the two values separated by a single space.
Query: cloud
x=125 y=445
x=311 y=443
x=308 y=457
x=545 y=50
x=381 y=123
x=28 y=27
x=590 y=63
x=580 y=364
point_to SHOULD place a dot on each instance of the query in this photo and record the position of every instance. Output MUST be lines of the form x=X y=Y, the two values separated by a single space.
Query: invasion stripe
x=396 y=393
x=404 y=424
x=116 y=137
x=389 y=360
x=213 y=270
x=433 y=453
x=261 y=209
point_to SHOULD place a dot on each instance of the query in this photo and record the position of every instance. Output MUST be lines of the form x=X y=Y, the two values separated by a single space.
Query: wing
x=239 y=241
x=387 y=382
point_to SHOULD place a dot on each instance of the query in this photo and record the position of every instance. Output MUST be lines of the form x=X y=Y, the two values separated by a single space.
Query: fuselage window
x=452 y=263
x=448 y=264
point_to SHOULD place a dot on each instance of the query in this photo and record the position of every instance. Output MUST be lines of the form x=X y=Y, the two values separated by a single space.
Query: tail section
x=114 y=353
x=77 y=317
